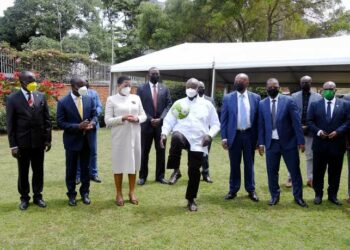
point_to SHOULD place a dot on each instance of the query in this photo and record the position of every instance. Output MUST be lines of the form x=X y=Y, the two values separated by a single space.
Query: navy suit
x=290 y=135
x=149 y=133
x=240 y=141
x=328 y=151
x=77 y=142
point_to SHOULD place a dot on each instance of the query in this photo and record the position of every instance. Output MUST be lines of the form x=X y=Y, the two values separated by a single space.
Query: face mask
x=125 y=91
x=328 y=94
x=201 y=92
x=239 y=87
x=154 y=79
x=191 y=92
x=32 y=86
x=306 y=87
x=273 y=93
x=83 y=91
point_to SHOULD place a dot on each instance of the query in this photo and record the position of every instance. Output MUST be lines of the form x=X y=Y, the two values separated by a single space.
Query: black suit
x=328 y=151
x=149 y=133
x=29 y=129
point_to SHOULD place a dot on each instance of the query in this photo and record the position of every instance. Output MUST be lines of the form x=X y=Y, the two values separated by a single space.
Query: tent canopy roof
x=327 y=56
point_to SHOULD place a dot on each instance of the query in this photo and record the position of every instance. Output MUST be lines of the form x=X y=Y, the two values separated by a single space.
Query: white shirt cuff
x=319 y=133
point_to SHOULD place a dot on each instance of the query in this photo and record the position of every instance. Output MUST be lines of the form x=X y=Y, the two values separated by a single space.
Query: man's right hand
x=84 y=125
x=162 y=141
x=261 y=150
x=224 y=144
x=15 y=153
x=323 y=134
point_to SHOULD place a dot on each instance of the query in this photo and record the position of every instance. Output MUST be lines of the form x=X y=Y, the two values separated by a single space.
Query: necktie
x=243 y=113
x=80 y=107
x=329 y=114
x=30 y=99
x=155 y=99
x=273 y=114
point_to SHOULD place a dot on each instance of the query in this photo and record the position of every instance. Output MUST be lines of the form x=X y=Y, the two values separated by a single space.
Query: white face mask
x=125 y=91
x=83 y=91
x=191 y=92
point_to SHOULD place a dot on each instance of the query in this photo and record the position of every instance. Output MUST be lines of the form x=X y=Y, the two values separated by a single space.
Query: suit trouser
x=348 y=153
x=242 y=144
x=33 y=157
x=195 y=160
x=205 y=164
x=291 y=158
x=146 y=144
x=335 y=164
x=72 y=158
x=93 y=170
x=309 y=157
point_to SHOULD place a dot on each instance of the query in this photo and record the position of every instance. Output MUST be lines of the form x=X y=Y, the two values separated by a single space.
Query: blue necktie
x=329 y=114
x=243 y=113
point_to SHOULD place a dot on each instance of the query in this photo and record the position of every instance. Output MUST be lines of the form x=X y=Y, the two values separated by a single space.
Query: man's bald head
x=329 y=85
x=241 y=82
x=192 y=83
x=26 y=77
x=242 y=75
x=305 y=83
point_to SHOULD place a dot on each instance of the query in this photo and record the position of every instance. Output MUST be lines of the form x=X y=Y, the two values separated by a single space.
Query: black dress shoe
x=23 y=205
x=273 y=201
x=207 y=179
x=192 y=206
x=175 y=176
x=163 y=181
x=86 y=199
x=253 y=196
x=230 y=196
x=72 y=202
x=318 y=200
x=95 y=179
x=141 y=181
x=335 y=201
x=77 y=181
x=300 y=202
x=40 y=202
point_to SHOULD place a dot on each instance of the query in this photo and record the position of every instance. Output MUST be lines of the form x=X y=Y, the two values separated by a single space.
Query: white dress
x=126 y=136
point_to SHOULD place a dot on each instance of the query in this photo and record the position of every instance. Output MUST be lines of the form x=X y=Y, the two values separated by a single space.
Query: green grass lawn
x=161 y=220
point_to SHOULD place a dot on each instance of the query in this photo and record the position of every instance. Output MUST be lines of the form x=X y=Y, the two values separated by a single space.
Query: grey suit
x=298 y=99
x=205 y=165
x=347 y=98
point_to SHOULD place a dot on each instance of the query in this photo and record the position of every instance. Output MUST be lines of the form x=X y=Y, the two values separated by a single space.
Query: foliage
x=177 y=90
x=3 y=128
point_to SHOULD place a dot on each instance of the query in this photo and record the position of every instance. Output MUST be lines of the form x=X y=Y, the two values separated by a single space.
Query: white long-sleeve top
x=202 y=120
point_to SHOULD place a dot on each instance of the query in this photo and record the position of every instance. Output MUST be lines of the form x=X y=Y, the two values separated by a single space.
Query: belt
x=243 y=130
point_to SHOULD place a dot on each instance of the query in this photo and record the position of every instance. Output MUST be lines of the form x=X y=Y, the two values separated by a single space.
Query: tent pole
x=213 y=82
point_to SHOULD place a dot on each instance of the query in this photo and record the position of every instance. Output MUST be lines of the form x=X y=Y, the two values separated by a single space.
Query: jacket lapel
x=252 y=107
x=235 y=103
x=24 y=101
x=74 y=109
x=336 y=109
x=150 y=96
x=280 y=106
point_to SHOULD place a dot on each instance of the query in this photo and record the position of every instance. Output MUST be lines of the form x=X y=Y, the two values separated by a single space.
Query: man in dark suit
x=328 y=120
x=156 y=101
x=76 y=115
x=303 y=99
x=205 y=165
x=280 y=133
x=29 y=134
x=239 y=133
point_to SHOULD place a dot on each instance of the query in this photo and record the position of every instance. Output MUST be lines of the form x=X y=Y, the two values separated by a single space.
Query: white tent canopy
x=322 y=58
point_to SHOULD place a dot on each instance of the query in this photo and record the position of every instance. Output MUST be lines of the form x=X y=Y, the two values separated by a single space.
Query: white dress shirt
x=76 y=100
x=202 y=120
x=274 y=132
x=25 y=93
x=247 y=108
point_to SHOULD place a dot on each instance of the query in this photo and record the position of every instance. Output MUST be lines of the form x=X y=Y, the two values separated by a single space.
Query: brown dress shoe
x=309 y=183
x=288 y=183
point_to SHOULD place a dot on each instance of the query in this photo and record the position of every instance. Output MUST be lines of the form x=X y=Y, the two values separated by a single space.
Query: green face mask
x=32 y=86
x=328 y=94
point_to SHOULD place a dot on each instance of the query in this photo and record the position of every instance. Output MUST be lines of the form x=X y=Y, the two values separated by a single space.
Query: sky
x=4 y=4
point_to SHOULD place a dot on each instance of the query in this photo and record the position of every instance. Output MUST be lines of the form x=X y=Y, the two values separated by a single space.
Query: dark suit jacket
x=28 y=127
x=288 y=123
x=340 y=123
x=229 y=111
x=163 y=104
x=68 y=119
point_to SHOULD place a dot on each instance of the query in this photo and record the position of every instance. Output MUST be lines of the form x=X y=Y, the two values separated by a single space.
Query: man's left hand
x=206 y=140
x=47 y=146
x=155 y=122
x=332 y=135
x=302 y=148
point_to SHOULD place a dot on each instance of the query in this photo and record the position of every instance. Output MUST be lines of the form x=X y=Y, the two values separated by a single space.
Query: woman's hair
x=121 y=79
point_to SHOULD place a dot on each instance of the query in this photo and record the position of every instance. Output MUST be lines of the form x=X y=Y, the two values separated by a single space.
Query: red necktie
x=30 y=99
x=155 y=99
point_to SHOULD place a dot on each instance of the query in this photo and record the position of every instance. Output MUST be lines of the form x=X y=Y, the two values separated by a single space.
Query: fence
x=97 y=73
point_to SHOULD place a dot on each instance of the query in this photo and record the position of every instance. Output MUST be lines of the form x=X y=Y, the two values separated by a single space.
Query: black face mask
x=239 y=86
x=272 y=93
x=154 y=79
x=200 y=92
x=306 y=87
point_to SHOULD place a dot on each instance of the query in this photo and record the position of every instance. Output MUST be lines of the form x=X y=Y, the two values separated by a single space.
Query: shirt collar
x=276 y=98
x=25 y=92
x=245 y=93
x=74 y=96
x=151 y=84
x=332 y=101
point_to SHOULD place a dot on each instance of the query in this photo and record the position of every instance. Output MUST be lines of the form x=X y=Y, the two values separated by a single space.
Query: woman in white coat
x=123 y=114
